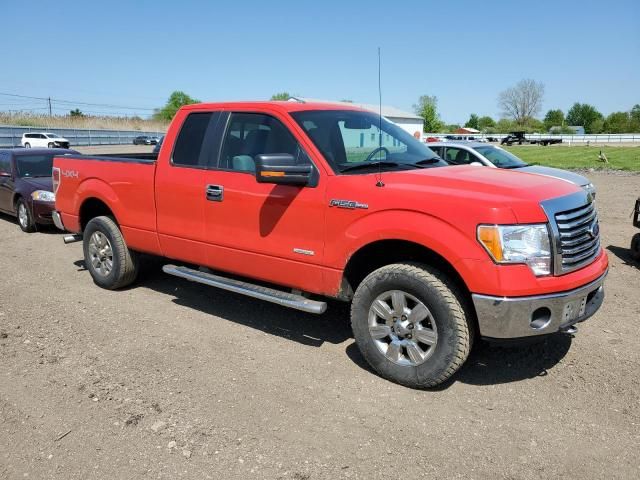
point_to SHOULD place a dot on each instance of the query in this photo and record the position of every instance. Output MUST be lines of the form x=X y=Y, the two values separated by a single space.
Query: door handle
x=215 y=193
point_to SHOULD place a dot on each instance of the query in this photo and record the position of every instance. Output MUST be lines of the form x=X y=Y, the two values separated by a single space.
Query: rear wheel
x=410 y=325
x=635 y=247
x=25 y=218
x=110 y=262
x=27 y=145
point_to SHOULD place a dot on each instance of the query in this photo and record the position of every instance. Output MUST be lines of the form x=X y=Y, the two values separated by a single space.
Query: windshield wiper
x=516 y=166
x=427 y=161
x=362 y=166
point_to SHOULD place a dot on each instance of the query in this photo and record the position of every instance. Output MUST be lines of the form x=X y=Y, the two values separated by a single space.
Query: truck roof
x=284 y=106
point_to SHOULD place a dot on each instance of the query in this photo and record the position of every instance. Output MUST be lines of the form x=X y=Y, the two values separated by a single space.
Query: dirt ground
x=170 y=379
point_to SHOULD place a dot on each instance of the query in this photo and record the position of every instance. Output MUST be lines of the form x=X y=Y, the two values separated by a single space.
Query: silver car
x=476 y=153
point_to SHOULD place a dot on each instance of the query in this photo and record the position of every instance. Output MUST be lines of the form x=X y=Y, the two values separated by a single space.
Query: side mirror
x=281 y=169
x=477 y=164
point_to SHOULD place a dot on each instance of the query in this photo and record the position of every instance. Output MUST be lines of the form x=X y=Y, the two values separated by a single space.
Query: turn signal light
x=489 y=235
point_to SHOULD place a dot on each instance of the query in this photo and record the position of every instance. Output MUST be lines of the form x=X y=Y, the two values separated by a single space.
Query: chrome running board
x=285 y=299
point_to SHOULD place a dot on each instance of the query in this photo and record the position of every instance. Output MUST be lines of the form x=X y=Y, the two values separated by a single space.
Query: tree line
x=520 y=106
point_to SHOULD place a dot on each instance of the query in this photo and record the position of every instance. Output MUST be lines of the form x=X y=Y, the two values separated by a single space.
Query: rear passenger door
x=271 y=232
x=181 y=185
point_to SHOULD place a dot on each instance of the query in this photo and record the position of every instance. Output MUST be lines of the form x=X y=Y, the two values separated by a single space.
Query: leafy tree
x=472 y=122
x=76 y=113
x=523 y=101
x=506 y=125
x=281 y=96
x=634 y=124
x=554 y=118
x=485 y=123
x=176 y=100
x=427 y=108
x=452 y=127
x=618 y=122
x=585 y=115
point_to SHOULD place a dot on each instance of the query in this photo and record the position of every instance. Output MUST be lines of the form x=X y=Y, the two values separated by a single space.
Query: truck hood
x=557 y=173
x=505 y=195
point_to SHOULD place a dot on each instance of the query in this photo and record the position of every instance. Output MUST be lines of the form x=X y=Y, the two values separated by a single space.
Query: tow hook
x=571 y=329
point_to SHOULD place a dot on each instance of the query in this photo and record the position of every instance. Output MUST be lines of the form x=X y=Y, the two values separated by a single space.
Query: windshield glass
x=500 y=158
x=52 y=135
x=34 y=165
x=351 y=138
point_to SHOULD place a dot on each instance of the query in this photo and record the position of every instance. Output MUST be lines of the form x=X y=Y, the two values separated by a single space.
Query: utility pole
x=49 y=106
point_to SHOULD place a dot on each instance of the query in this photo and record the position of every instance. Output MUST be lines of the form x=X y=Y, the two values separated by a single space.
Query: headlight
x=43 y=196
x=527 y=244
x=589 y=188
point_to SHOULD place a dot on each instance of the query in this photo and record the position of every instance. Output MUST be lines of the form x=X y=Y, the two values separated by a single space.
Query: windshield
x=52 y=135
x=352 y=139
x=500 y=158
x=34 y=165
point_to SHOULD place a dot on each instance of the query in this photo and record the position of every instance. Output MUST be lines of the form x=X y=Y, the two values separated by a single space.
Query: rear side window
x=5 y=164
x=194 y=145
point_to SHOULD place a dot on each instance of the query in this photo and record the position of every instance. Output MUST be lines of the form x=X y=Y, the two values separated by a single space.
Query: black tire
x=27 y=145
x=124 y=262
x=27 y=223
x=635 y=247
x=429 y=286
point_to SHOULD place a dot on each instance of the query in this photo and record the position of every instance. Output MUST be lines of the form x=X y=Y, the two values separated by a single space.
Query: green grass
x=620 y=158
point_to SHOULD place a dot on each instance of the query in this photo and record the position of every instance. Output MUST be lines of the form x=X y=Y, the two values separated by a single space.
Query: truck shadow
x=488 y=364
x=491 y=364
x=623 y=254
x=307 y=329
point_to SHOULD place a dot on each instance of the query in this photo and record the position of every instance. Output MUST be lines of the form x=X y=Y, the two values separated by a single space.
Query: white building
x=409 y=122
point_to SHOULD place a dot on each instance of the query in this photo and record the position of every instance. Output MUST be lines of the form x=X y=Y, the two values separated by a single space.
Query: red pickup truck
x=300 y=201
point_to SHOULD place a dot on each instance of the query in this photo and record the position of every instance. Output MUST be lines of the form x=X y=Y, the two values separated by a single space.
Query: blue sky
x=135 y=53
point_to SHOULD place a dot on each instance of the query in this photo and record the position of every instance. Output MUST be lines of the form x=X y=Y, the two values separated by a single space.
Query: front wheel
x=110 y=262
x=50 y=145
x=25 y=218
x=635 y=247
x=410 y=325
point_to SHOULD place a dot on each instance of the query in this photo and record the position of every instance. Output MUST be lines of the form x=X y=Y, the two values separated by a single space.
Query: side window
x=252 y=134
x=42 y=135
x=5 y=164
x=458 y=156
x=436 y=150
x=194 y=145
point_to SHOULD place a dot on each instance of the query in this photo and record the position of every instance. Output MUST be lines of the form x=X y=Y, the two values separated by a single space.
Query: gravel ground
x=170 y=379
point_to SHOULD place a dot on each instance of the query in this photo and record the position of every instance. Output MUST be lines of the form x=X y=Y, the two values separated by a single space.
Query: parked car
x=300 y=201
x=145 y=140
x=465 y=153
x=156 y=149
x=43 y=140
x=26 y=189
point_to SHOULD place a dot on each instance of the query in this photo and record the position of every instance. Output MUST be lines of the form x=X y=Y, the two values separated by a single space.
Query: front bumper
x=518 y=317
x=42 y=212
x=57 y=220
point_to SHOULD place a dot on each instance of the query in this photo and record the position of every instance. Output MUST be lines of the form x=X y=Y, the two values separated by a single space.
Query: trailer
x=520 y=138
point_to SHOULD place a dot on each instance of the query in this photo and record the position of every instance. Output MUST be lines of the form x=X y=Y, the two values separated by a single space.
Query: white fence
x=612 y=138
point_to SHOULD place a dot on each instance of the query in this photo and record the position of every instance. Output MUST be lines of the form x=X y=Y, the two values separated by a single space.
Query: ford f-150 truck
x=293 y=202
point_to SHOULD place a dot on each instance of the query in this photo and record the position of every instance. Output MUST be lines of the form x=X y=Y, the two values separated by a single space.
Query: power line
x=72 y=102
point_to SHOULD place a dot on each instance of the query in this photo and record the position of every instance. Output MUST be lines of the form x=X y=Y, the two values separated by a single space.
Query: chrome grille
x=575 y=230
x=579 y=236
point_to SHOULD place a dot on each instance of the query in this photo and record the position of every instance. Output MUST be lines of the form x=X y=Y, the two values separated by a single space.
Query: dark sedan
x=26 y=189
x=145 y=140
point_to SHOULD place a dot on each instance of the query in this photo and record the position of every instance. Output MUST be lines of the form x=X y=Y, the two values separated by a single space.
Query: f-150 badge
x=351 y=204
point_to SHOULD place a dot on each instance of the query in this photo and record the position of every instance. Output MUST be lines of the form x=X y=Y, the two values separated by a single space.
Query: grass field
x=67 y=121
x=620 y=158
